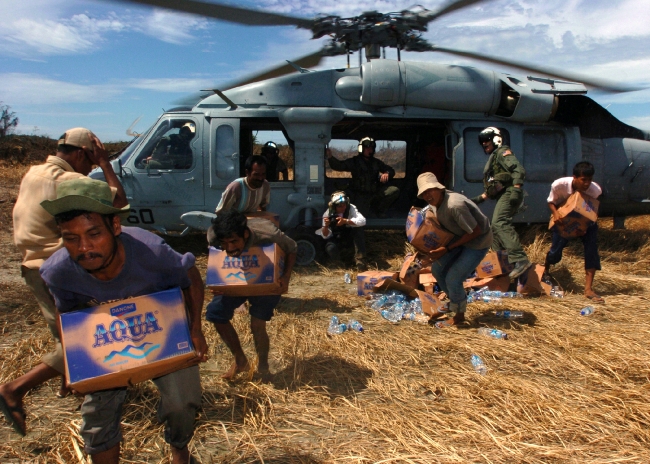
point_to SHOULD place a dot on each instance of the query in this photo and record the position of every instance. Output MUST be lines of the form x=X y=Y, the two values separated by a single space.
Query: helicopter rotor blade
x=449 y=8
x=602 y=84
x=229 y=13
x=307 y=61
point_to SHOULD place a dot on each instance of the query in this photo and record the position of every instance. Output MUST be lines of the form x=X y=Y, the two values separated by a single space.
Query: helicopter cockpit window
x=273 y=145
x=545 y=155
x=391 y=152
x=475 y=157
x=170 y=147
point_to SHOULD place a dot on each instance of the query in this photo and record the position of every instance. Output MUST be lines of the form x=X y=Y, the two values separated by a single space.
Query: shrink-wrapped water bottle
x=494 y=333
x=479 y=365
x=347 y=278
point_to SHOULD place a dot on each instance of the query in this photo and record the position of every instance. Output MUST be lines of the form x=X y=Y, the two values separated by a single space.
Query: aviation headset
x=367 y=142
x=491 y=134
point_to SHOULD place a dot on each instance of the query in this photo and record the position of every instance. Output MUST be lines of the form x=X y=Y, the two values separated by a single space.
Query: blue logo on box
x=123 y=309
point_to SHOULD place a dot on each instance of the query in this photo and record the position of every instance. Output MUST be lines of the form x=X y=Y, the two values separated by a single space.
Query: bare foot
x=594 y=297
x=63 y=390
x=263 y=375
x=234 y=370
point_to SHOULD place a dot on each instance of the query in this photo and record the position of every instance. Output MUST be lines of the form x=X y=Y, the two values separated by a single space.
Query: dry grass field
x=562 y=389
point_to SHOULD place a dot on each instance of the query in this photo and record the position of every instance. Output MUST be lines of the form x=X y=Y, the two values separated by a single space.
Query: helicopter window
x=544 y=155
x=170 y=147
x=391 y=152
x=226 y=148
x=475 y=157
x=274 y=146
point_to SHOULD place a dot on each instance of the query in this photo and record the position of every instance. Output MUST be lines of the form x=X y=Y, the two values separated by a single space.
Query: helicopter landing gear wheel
x=307 y=251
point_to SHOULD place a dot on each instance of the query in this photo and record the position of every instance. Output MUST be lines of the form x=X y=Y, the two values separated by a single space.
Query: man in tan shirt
x=37 y=237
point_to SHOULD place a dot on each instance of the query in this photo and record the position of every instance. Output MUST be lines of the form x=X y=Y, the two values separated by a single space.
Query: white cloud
x=31 y=89
x=172 y=27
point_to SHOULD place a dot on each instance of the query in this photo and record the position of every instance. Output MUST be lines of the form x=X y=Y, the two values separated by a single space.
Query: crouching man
x=102 y=261
x=455 y=262
x=233 y=233
x=342 y=224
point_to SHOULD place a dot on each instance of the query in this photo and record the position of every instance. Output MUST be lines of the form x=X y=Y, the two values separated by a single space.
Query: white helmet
x=490 y=134
x=367 y=142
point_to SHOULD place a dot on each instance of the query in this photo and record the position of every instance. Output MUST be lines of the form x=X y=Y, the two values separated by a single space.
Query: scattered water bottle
x=587 y=311
x=494 y=333
x=392 y=314
x=479 y=365
x=509 y=314
x=491 y=299
x=335 y=327
x=379 y=302
x=347 y=278
x=355 y=325
x=557 y=292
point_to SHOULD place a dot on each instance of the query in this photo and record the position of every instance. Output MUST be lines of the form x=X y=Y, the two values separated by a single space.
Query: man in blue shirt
x=102 y=261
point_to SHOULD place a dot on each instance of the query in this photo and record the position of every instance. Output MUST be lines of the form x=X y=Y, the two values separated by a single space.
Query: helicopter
x=423 y=116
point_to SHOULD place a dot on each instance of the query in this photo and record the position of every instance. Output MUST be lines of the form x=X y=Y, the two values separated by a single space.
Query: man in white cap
x=37 y=237
x=473 y=237
x=102 y=261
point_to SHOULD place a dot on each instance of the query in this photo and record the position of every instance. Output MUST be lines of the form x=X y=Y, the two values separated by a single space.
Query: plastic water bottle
x=379 y=302
x=491 y=299
x=557 y=292
x=509 y=314
x=335 y=327
x=392 y=314
x=587 y=311
x=479 y=365
x=494 y=333
x=347 y=278
x=512 y=295
x=355 y=325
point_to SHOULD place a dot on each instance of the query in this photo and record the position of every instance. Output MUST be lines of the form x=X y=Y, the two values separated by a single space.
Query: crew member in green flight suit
x=503 y=180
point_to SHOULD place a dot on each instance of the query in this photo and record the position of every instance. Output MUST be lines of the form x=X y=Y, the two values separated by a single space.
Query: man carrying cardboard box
x=233 y=233
x=454 y=263
x=561 y=190
x=102 y=261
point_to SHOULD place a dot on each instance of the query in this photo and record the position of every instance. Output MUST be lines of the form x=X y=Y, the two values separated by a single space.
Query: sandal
x=595 y=299
x=445 y=323
x=9 y=411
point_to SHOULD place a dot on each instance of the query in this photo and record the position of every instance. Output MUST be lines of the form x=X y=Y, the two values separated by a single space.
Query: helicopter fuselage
x=426 y=115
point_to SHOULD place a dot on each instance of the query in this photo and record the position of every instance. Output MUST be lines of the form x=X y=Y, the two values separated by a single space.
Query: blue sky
x=102 y=64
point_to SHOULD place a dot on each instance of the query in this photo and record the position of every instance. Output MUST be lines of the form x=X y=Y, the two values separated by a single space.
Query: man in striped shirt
x=247 y=194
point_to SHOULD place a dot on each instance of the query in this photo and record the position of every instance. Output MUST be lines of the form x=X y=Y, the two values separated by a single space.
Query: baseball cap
x=78 y=137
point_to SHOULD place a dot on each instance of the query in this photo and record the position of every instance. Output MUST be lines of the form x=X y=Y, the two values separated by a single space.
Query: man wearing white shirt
x=561 y=190
x=342 y=223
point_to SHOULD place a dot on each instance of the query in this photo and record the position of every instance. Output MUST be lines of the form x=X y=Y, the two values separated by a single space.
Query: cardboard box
x=428 y=282
x=578 y=212
x=530 y=282
x=125 y=342
x=425 y=233
x=494 y=264
x=410 y=270
x=255 y=272
x=273 y=217
x=431 y=305
x=366 y=281
x=501 y=283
